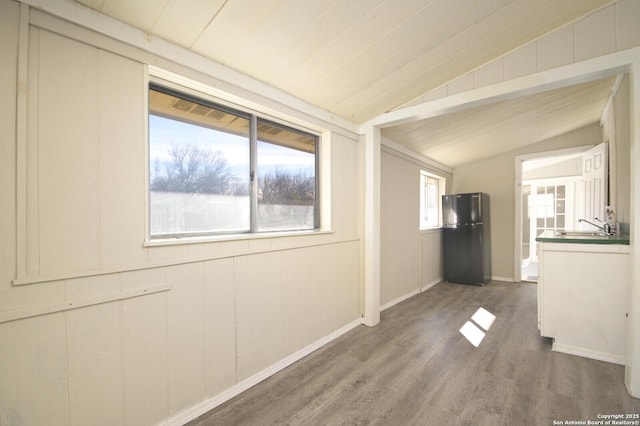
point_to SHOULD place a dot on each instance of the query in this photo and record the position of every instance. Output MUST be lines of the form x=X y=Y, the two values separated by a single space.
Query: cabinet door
x=594 y=183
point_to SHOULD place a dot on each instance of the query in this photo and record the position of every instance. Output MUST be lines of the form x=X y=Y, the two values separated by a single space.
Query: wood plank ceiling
x=355 y=58
x=460 y=138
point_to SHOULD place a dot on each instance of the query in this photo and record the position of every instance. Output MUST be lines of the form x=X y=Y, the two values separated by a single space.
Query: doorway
x=550 y=196
x=547 y=205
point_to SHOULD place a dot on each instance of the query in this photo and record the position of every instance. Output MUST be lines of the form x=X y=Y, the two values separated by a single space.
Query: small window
x=215 y=170
x=431 y=189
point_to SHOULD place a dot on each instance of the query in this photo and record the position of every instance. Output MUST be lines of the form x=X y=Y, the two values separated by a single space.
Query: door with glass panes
x=550 y=207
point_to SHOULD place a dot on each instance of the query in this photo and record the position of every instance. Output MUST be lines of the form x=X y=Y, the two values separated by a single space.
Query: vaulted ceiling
x=462 y=137
x=359 y=58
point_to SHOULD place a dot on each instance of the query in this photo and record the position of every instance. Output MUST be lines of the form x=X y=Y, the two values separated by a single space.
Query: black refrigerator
x=466 y=238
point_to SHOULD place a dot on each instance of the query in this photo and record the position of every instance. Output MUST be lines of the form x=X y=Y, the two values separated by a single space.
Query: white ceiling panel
x=460 y=138
x=465 y=50
x=360 y=58
x=233 y=29
x=138 y=13
x=287 y=27
x=354 y=58
x=197 y=13
x=383 y=51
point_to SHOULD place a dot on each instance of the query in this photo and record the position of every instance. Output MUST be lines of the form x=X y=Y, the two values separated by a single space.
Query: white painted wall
x=410 y=259
x=496 y=177
x=431 y=258
x=632 y=370
x=615 y=130
x=400 y=227
x=566 y=168
x=95 y=326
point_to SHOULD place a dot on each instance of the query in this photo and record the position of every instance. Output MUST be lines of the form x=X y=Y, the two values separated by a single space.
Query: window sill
x=430 y=230
x=232 y=237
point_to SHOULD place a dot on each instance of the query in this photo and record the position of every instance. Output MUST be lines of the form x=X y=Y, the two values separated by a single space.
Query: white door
x=595 y=173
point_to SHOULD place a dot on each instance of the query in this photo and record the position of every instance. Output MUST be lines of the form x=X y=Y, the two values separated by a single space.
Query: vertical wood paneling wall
x=225 y=312
x=411 y=259
x=399 y=228
x=431 y=258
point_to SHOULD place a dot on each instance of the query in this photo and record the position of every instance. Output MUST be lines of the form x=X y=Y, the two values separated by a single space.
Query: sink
x=579 y=233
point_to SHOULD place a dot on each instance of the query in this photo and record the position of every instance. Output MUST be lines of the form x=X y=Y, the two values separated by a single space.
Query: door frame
x=517 y=267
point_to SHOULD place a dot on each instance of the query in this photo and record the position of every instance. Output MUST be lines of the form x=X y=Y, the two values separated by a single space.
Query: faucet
x=605 y=227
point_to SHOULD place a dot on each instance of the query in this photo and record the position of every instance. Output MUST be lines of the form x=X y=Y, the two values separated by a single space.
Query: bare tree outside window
x=194 y=169
x=200 y=157
x=282 y=187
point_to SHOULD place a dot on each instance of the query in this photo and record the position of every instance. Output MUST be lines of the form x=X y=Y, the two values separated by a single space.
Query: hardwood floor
x=416 y=368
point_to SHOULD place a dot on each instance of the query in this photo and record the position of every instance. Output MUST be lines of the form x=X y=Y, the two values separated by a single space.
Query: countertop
x=552 y=237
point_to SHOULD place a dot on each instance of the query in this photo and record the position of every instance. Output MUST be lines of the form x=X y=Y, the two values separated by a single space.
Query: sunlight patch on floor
x=472 y=331
x=483 y=318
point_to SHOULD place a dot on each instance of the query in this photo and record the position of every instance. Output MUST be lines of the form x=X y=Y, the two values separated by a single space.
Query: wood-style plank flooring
x=416 y=368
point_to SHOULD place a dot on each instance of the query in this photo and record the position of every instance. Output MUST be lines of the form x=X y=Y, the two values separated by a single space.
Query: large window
x=214 y=170
x=431 y=190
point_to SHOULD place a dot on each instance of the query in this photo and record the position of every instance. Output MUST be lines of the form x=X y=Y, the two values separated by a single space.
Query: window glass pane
x=430 y=193
x=561 y=191
x=424 y=202
x=286 y=170
x=432 y=202
x=560 y=221
x=199 y=168
x=544 y=205
x=551 y=190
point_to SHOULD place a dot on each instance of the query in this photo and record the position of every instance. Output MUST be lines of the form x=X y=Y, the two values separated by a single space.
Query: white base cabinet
x=583 y=291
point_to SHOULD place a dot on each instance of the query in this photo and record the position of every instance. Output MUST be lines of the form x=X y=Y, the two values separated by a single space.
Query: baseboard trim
x=503 y=279
x=588 y=353
x=427 y=286
x=196 y=411
x=399 y=299
x=410 y=294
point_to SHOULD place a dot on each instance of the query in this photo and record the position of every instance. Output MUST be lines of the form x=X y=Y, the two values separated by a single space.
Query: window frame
x=195 y=94
x=570 y=200
x=425 y=177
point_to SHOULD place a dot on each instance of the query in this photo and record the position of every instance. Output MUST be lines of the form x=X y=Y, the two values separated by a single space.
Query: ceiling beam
x=581 y=72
